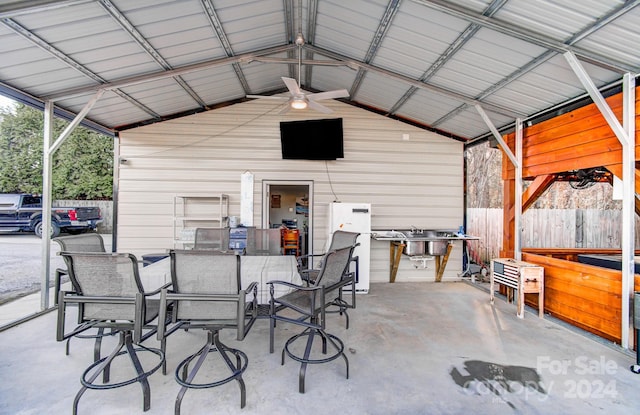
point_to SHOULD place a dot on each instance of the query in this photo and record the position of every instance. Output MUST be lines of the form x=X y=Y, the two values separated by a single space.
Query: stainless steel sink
x=418 y=243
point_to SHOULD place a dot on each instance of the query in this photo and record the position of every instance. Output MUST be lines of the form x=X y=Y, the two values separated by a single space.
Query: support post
x=626 y=135
x=47 y=156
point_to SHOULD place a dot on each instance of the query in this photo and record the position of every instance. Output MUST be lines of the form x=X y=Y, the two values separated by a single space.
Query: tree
x=82 y=166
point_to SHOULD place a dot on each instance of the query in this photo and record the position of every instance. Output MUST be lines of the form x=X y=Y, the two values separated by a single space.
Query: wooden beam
x=536 y=189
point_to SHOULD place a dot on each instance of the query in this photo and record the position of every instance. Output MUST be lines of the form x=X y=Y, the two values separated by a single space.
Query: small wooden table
x=523 y=276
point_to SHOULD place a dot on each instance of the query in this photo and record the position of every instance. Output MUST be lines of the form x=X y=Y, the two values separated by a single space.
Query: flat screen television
x=312 y=139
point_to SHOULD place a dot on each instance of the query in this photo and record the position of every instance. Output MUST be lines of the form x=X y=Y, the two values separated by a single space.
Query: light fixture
x=299 y=103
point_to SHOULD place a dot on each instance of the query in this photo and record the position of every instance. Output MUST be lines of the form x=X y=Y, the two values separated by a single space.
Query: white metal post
x=519 y=186
x=47 y=157
x=626 y=135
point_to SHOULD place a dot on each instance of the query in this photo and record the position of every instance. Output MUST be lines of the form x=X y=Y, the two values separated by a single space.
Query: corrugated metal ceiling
x=426 y=61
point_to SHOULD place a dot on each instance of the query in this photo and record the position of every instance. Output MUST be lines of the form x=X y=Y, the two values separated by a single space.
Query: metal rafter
x=291 y=31
x=31 y=37
x=381 y=32
x=312 y=19
x=20 y=8
x=224 y=41
x=353 y=63
x=453 y=48
x=536 y=38
x=537 y=61
x=126 y=25
x=154 y=76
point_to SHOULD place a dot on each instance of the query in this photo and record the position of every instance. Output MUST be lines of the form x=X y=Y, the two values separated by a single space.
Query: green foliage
x=82 y=166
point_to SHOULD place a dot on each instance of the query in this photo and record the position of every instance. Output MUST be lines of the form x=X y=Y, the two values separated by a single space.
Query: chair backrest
x=264 y=242
x=343 y=239
x=84 y=242
x=104 y=274
x=212 y=239
x=205 y=272
x=334 y=265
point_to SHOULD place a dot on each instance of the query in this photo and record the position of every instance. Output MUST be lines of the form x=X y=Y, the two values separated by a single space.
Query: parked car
x=21 y=212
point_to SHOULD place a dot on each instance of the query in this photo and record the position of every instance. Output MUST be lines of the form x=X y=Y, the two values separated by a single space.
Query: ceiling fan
x=300 y=99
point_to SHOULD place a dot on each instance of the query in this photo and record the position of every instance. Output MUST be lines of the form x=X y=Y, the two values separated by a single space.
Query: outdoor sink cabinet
x=419 y=244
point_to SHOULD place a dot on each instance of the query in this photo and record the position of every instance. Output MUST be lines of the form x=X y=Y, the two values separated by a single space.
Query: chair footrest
x=307 y=358
x=236 y=372
x=141 y=375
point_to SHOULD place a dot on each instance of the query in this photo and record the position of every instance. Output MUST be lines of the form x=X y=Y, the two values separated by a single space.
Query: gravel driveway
x=21 y=264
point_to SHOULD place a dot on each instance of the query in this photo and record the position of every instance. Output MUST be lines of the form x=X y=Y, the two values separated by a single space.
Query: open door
x=289 y=203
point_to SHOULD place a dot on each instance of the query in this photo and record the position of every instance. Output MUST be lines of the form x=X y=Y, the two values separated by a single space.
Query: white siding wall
x=416 y=182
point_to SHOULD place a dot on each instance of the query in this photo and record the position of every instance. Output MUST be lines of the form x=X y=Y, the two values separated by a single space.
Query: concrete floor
x=414 y=348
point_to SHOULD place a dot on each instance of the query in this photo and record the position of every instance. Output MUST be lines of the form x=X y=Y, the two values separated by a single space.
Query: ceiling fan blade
x=338 y=93
x=319 y=107
x=268 y=97
x=285 y=109
x=292 y=86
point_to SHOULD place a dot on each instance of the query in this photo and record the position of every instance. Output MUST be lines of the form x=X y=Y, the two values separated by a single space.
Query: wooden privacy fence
x=547 y=228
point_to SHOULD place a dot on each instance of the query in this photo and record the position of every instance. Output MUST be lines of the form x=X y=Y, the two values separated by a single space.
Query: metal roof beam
x=543 y=58
x=537 y=38
x=31 y=37
x=58 y=112
x=19 y=8
x=453 y=48
x=291 y=31
x=312 y=19
x=130 y=29
x=154 y=76
x=381 y=32
x=224 y=41
x=352 y=63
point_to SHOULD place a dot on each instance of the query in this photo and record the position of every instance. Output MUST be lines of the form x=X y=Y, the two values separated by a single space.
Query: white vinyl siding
x=408 y=182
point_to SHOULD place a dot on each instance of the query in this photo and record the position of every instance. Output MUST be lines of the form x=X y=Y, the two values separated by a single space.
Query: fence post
x=579 y=228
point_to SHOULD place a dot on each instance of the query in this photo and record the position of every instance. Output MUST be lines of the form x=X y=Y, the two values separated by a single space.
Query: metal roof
x=429 y=62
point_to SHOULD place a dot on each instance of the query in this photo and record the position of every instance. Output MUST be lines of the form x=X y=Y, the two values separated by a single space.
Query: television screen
x=312 y=139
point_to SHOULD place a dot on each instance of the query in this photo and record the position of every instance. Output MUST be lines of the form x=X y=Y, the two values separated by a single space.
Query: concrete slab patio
x=413 y=348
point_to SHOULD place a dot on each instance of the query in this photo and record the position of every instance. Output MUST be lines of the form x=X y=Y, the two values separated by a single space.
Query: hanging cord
x=335 y=198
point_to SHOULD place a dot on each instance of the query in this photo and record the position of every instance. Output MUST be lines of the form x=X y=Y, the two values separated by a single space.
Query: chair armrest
x=157 y=290
x=253 y=286
x=292 y=285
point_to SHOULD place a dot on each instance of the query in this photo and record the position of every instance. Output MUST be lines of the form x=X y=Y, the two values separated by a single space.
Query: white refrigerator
x=354 y=217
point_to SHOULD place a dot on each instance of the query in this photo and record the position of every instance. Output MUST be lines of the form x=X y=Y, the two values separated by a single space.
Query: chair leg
x=213 y=345
x=307 y=353
x=97 y=346
x=236 y=370
x=144 y=382
x=306 y=358
x=102 y=365
x=272 y=326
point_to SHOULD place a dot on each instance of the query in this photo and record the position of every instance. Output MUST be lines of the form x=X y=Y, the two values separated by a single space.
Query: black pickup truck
x=23 y=213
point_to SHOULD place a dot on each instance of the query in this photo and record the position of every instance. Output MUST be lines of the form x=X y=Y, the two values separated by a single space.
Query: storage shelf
x=197 y=208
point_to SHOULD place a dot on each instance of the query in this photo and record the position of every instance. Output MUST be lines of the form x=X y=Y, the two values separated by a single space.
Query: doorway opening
x=289 y=203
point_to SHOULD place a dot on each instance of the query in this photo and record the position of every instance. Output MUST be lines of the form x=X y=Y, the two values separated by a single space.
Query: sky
x=4 y=101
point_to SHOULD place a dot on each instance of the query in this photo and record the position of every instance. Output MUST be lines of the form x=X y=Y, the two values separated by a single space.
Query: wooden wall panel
x=584 y=295
x=576 y=140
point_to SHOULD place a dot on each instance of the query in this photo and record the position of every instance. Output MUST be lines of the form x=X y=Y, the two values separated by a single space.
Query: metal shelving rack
x=193 y=211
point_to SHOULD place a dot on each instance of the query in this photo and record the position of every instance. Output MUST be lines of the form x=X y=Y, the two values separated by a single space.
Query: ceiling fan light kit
x=299 y=103
x=300 y=99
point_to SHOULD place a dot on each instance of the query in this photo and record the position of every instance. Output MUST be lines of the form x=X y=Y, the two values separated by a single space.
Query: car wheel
x=55 y=230
x=76 y=231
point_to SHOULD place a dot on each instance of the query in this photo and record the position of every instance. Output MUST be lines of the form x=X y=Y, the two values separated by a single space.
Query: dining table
x=253 y=268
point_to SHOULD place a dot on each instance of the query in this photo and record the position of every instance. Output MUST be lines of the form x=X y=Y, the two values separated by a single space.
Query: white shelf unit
x=197 y=211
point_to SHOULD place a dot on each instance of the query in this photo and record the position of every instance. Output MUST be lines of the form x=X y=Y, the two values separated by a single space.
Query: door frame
x=266 y=198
